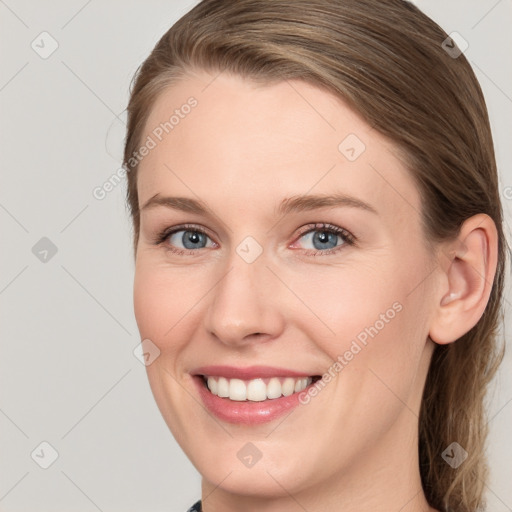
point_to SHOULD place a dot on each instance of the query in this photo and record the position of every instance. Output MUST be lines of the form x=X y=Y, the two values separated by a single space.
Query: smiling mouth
x=256 y=390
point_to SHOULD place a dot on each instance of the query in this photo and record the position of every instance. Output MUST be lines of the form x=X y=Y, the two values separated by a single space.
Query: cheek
x=366 y=320
x=348 y=303
x=164 y=304
x=145 y=299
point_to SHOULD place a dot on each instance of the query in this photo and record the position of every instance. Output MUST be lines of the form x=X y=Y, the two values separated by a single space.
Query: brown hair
x=386 y=59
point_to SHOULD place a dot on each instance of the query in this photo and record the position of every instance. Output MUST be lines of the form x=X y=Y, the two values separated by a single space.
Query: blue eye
x=325 y=237
x=322 y=239
x=190 y=239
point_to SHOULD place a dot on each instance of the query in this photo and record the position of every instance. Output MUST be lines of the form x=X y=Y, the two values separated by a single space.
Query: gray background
x=68 y=375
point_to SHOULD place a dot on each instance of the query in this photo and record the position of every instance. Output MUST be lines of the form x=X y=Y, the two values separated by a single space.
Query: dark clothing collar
x=196 y=507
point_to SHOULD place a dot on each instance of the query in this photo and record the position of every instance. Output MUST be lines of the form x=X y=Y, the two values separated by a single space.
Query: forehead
x=229 y=140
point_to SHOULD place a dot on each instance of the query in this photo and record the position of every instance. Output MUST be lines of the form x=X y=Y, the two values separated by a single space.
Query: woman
x=319 y=254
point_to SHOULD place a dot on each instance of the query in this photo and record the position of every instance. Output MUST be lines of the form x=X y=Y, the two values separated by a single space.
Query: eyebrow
x=288 y=205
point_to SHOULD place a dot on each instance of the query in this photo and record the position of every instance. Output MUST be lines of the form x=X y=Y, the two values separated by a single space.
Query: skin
x=242 y=150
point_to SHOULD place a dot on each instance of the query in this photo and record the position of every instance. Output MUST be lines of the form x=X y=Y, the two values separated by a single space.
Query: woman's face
x=308 y=259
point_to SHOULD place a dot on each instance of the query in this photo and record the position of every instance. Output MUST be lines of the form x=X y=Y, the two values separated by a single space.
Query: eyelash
x=345 y=235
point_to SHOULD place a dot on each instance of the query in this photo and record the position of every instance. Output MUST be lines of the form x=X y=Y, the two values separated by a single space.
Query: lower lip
x=246 y=412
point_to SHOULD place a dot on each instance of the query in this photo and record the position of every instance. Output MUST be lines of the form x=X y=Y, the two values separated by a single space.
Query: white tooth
x=223 y=387
x=288 y=386
x=301 y=384
x=237 y=390
x=212 y=385
x=274 y=389
x=257 y=390
x=309 y=380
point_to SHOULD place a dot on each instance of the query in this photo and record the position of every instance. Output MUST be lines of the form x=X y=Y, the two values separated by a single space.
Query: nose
x=244 y=305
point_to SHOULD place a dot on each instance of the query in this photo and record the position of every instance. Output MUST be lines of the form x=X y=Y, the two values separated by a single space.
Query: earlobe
x=467 y=279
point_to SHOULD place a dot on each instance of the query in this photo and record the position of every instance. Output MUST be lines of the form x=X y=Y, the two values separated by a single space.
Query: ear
x=468 y=265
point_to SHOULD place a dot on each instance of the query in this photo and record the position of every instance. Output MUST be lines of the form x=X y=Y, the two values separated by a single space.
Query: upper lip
x=248 y=372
